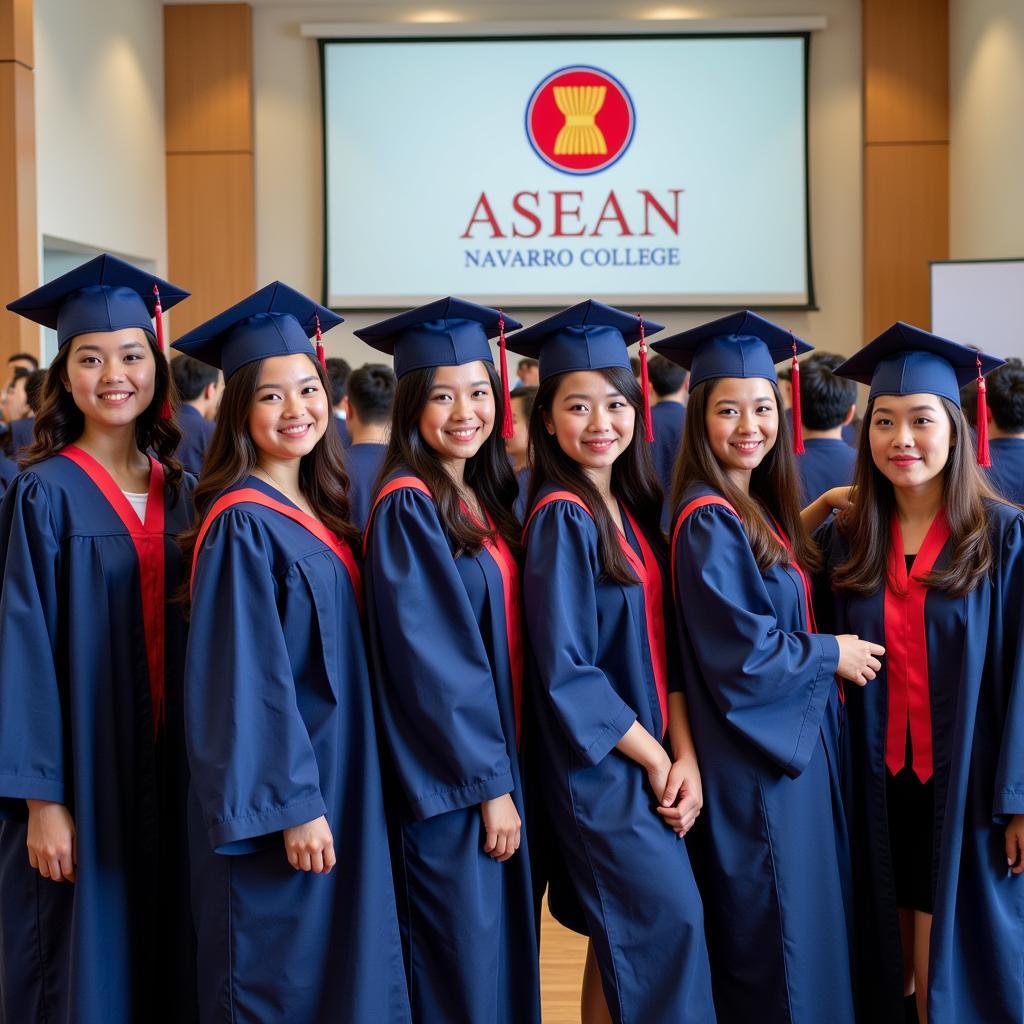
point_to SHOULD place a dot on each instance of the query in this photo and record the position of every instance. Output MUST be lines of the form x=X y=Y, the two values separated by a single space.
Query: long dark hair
x=232 y=456
x=773 y=485
x=488 y=473
x=867 y=526
x=634 y=481
x=60 y=422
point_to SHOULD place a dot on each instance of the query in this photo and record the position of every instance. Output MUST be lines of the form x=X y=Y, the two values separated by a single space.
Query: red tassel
x=320 y=353
x=645 y=384
x=984 y=458
x=798 y=426
x=507 y=426
x=158 y=316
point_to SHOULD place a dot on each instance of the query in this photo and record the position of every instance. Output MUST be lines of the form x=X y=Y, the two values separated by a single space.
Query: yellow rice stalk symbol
x=580 y=104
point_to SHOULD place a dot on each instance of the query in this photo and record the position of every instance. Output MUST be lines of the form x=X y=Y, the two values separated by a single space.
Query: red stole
x=148 y=540
x=906 y=650
x=251 y=496
x=648 y=572
x=497 y=547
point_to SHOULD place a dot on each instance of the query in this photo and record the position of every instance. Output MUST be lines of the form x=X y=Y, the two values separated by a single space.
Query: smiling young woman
x=762 y=690
x=933 y=562
x=94 y=917
x=289 y=846
x=442 y=583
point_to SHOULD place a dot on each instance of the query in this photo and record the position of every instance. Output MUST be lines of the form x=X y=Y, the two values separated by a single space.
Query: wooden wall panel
x=19 y=247
x=906 y=71
x=210 y=231
x=208 y=78
x=906 y=157
x=211 y=219
x=906 y=195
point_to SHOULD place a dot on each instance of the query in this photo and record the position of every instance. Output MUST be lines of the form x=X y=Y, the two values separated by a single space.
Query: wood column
x=211 y=222
x=906 y=157
x=19 y=243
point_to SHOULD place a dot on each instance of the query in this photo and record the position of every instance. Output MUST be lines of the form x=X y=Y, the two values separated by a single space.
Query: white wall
x=100 y=125
x=986 y=153
x=289 y=229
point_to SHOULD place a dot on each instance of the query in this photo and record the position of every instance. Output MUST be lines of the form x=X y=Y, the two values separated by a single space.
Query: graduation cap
x=906 y=360
x=446 y=332
x=105 y=294
x=741 y=344
x=275 y=321
x=588 y=336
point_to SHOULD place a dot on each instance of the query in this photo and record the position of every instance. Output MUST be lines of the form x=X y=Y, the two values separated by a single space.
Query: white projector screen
x=656 y=171
x=980 y=303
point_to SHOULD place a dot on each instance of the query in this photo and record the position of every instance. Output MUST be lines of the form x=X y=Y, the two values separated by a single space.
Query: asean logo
x=580 y=120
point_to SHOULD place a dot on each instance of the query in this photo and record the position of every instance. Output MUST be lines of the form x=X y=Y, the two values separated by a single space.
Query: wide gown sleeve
x=1009 y=786
x=559 y=592
x=434 y=683
x=772 y=686
x=251 y=760
x=31 y=722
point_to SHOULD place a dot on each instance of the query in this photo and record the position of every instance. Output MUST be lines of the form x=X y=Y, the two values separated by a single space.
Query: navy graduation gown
x=827 y=462
x=8 y=471
x=596 y=676
x=447 y=705
x=523 y=482
x=769 y=847
x=196 y=432
x=279 y=726
x=975 y=676
x=363 y=462
x=669 y=420
x=80 y=664
x=1007 y=471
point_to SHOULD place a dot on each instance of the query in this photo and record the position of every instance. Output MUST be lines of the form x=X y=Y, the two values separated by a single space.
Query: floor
x=562 y=954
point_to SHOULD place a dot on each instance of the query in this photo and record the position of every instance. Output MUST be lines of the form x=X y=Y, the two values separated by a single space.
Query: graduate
x=291 y=881
x=931 y=563
x=369 y=396
x=94 y=923
x=442 y=591
x=761 y=686
x=597 y=598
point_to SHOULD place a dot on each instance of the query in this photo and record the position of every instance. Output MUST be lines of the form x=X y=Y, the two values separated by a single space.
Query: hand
x=1015 y=844
x=838 y=497
x=310 y=847
x=683 y=796
x=502 y=826
x=658 y=772
x=858 y=659
x=51 y=840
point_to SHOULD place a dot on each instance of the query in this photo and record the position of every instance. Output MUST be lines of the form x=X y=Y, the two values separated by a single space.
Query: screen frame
x=548 y=302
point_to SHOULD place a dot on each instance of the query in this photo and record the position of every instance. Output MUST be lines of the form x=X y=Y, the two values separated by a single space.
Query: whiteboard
x=980 y=303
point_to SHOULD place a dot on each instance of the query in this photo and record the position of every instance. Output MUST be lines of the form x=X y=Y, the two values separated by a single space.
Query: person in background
x=827 y=406
x=367 y=404
x=1006 y=429
x=518 y=445
x=668 y=414
x=527 y=374
x=24 y=361
x=338 y=371
x=634 y=365
x=200 y=387
x=19 y=413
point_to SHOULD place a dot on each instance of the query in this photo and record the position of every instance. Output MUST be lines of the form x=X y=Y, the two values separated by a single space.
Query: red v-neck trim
x=648 y=572
x=252 y=496
x=148 y=541
x=906 y=646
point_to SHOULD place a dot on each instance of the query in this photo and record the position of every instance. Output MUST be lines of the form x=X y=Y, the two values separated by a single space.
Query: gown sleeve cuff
x=1009 y=801
x=459 y=797
x=606 y=739
x=21 y=787
x=821 y=690
x=235 y=835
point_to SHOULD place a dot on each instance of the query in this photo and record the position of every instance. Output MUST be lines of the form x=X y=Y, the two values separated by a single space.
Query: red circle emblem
x=580 y=120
